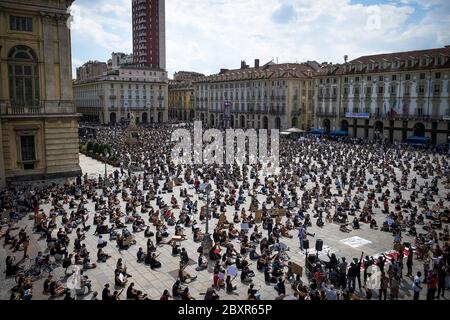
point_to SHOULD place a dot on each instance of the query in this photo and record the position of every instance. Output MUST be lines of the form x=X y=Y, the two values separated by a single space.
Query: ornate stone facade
x=38 y=123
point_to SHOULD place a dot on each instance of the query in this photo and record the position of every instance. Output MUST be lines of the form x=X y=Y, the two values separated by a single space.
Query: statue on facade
x=132 y=131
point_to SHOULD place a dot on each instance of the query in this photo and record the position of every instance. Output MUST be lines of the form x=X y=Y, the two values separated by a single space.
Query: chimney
x=256 y=63
x=243 y=64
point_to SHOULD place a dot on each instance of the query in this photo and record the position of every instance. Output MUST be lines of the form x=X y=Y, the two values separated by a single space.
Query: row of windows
x=381 y=90
x=394 y=77
x=243 y=85
x=410 y=63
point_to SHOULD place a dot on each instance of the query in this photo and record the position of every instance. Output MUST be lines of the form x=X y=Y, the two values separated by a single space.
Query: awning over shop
x=339 y=133
x=418 y=140
x=317 y=131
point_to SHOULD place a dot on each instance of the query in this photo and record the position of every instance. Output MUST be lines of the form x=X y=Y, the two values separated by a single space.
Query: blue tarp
x=316 y=131
x=339 y=133
x=418 y=140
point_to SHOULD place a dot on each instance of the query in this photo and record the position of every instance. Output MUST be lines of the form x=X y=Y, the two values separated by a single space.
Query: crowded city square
x=342 y=219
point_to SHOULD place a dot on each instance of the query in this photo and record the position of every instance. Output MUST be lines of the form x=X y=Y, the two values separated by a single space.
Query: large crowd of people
x=393 y=189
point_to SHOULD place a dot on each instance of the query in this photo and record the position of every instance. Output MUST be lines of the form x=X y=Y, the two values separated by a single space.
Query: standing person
x=409 y=263
x=416 y=286
x=343 y=273
x=426 y=268
x=358 y=270
x=351 y=277
x=384 y=285
x=25 y=243
x=301 y=236
x=432 y=285
x=395 y=287
x=442 y=276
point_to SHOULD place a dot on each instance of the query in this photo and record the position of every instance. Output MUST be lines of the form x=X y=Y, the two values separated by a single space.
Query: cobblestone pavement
x=155 y=282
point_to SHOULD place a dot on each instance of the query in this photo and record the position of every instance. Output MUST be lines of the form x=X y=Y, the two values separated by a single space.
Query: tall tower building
x=149 y=33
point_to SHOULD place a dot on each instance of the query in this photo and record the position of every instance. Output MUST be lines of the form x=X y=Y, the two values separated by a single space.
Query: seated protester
x=137 y=226
x=175 y=248
x=101 y=242
x=77 y=245
x=56 y=288
x=253 y=254
x=11 y=267
x=267 y=275
x=83 y=251
x=165 y=296
x=67 y=262
x=120 y=279
x=320 y=222
x=185 y=295
x=85 y=283
x=80 y=235
x=78 y=260
x=113 y=233
x=202 y=263
x=148 y=233
x=373 y=224
x=88 y=265
x=280 y=287
x=176 y=289
x=153 y=262
x=140 y=255
x=246 y=275
x=356 y=225
x=277 y=269
x=211 y=295
x=261 y=262
x=218 y=279
x=102 y=256
x=183 y=275
x=229 y=284
x=214 y=253
x=184 y=256
x=344 y=228
x=131 y=292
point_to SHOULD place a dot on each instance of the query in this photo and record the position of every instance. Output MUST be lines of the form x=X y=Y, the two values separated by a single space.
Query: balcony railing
x=35 y=110
x=326 y=114
x=277 y=112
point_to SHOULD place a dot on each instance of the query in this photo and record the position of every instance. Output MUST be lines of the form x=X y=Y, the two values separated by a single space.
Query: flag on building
x=405 y=107
x=393 y=112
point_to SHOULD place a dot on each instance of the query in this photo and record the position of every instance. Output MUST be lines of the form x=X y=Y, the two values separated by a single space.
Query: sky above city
x=207 y=35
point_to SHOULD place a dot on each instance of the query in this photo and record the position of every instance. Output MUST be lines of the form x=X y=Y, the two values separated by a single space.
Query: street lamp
x=207 y=241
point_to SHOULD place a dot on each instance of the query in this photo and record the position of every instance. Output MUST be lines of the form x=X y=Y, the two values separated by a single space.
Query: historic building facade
x=181 y=96
x=392 y=96
x=272 y=96
x=91 y=69
x=181 y=101
x=118 y=94
x=38 y=123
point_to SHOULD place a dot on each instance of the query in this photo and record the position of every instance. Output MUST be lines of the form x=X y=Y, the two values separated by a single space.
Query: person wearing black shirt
x=184 y=256
x=106 y=293
x=229 y=284
x=11 y=268
x=176 y=289
x=185 y=295
x=131 y=292
x=280 y=287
